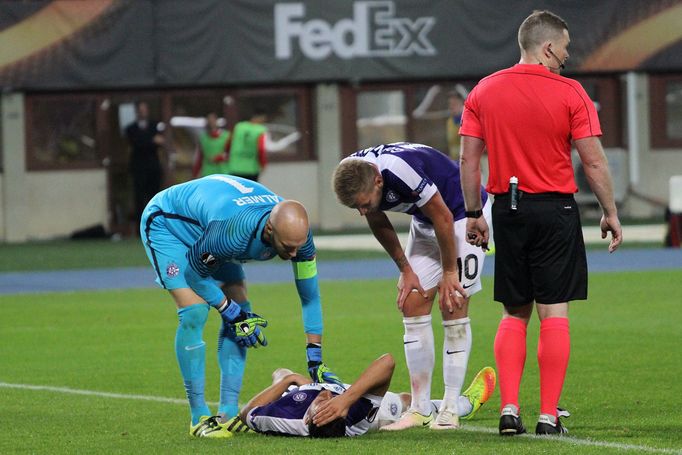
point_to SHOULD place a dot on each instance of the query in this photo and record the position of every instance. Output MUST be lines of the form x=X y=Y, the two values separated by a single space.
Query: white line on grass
x=563 y=439
x=581 y=442
x=96 y=393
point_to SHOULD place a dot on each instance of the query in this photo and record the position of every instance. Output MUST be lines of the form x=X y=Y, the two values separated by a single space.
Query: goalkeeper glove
x=318 y=370
x=246 y=326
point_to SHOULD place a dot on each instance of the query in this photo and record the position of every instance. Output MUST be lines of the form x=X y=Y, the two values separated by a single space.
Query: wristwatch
x=473 y=213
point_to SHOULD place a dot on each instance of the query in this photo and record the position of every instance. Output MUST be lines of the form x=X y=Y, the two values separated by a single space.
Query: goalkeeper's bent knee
x=193 y=317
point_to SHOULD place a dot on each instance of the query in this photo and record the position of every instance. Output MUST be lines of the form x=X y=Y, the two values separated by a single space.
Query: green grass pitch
x=623 y=385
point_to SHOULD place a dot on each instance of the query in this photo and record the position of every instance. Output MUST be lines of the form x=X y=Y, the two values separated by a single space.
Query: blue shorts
x=168 y=254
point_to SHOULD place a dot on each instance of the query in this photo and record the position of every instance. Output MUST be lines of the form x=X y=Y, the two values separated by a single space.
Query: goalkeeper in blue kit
x=197 y=235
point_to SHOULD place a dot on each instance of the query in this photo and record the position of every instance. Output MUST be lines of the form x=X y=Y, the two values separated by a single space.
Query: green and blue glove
x=318 y=370
x=246 y=326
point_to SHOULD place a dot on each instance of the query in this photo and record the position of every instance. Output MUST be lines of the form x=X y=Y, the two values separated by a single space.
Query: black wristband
x=473 y=213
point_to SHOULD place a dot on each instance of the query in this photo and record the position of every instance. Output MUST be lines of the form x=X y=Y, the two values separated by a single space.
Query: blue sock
x=190 y=350
x=232 y=361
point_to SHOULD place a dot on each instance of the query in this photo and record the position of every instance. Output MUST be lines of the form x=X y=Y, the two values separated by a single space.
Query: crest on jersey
x=208 y=259
x=299 y=396
x=172 y=270
x=391 y=196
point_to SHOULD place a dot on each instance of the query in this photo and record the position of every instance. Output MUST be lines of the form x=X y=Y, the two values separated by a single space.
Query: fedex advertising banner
x=95 y=44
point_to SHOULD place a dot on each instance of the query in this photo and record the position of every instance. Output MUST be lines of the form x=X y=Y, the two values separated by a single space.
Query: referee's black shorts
x=539 y=250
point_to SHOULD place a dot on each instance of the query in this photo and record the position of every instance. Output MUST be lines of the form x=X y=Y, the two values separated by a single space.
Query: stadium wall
x=2 y=209
x=649 y=174
x=54 y=203
x=43 y=204
x=297 y=181
x=61 y=202
x=14 y=188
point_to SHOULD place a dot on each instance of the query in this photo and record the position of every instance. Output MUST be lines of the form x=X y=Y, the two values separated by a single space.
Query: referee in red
x=528 y=117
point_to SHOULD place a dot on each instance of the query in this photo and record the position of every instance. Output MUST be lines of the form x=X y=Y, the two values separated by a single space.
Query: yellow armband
x=305 y=270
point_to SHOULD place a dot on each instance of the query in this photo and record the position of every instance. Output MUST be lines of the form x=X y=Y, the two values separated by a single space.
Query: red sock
x=554 y=349
x=510 y=356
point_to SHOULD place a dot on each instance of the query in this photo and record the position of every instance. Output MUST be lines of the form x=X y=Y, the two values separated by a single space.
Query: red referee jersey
x=527 y=116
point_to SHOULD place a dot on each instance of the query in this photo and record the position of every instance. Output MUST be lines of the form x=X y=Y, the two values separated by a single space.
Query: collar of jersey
x=258 y=233
x=532 y=68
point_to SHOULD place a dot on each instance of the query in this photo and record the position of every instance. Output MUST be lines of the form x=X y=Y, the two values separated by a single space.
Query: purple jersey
x=285 y=416
x=412 y=174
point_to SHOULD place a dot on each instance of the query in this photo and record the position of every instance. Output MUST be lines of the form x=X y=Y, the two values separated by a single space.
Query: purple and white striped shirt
x=412 y=175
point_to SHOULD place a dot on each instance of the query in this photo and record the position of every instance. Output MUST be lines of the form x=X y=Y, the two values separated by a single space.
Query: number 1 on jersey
x=242 y=189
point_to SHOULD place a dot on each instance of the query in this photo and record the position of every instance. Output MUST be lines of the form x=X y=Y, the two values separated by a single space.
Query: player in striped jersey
x=293 y=406
x=197 y=235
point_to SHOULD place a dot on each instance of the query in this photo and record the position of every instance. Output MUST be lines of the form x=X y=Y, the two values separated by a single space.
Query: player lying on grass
x=293 y=406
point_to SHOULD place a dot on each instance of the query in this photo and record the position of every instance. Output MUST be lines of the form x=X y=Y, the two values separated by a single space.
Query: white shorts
x=390 y=410
x=423 y=253
x=390 y=407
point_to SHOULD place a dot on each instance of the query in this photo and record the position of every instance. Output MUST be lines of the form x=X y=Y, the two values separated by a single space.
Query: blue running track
x=278 y=271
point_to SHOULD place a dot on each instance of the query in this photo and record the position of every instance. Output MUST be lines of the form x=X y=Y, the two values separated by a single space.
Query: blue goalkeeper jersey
x=220 y=219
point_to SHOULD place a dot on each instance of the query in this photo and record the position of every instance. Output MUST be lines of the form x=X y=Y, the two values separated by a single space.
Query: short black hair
x=539 y=26
x=334 y=429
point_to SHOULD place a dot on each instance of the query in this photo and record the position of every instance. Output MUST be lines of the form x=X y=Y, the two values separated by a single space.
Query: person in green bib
x=211 y=157
x=247 y=155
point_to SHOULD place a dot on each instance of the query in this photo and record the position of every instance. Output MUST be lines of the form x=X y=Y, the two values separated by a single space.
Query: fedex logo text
x=374 y=31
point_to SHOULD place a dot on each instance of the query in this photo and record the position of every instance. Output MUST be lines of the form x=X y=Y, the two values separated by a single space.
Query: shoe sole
x=222 y=435
x=388 y=427
x=217 y=434
x=550 y=433
x=404 y=428
x=439 y=427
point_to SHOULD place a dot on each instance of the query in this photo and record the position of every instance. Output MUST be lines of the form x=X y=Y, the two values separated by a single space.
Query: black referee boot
x=510 y=422
x=549 y=425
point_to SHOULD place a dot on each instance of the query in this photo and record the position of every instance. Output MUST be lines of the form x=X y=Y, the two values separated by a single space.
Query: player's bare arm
x=470 y=173
x=375 y=380
x=442 y=220
x=385 y=233
x=273 y=392
x=596 y=170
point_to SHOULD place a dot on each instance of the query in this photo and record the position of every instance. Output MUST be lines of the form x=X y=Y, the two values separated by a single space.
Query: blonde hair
x=352 y=177
x=539 y=27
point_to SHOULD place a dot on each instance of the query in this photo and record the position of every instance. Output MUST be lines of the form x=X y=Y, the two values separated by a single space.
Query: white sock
x=420 y=358
x=464 y=406
x=456 y=348
x=435 y=405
